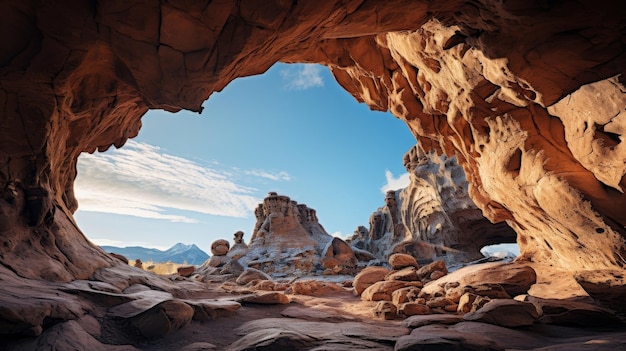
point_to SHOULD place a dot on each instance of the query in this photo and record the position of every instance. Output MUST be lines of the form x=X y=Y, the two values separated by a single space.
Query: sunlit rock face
x=436 y=209
x=287 y=239
x=510 y=88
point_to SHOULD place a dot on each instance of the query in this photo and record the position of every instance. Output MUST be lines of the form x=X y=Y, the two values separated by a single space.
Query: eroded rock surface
x=432 y=217
x=506 y=87
x=529 y=96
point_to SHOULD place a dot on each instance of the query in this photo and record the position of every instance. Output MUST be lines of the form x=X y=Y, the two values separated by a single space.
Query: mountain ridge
x=179 y=253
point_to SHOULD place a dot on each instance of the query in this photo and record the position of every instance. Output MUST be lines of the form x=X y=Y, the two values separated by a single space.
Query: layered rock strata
x=433 y=216
x=511 y=88
x=287 y=238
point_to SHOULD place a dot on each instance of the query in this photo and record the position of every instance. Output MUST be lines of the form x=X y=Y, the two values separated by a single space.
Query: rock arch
x=528 y=94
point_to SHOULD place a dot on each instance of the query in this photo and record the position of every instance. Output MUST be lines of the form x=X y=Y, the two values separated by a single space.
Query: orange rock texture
x=528 y=94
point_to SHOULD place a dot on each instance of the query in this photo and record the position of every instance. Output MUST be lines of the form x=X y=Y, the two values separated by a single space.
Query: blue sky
x=196 y=178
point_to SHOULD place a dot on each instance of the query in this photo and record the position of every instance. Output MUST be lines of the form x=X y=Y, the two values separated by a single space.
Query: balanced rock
x=220 y=247
x=239 y=248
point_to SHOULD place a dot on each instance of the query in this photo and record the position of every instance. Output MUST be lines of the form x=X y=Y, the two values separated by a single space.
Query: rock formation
x=287 y=238
x=434 y=209
x=528 y=95
x=509 y=88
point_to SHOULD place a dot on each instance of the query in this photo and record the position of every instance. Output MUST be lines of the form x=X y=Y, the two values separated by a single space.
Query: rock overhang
x=477 y=80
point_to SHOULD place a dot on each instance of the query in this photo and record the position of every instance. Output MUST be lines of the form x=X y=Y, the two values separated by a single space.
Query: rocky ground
x=125 y=308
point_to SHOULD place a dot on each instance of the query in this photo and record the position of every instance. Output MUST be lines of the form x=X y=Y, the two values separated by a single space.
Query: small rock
x=408 y=294
x=383 y=290
x=470 y=302
x=406 y=274
x=232 y=267
x=315 y=288
x=267 y=298
x=398 y=261
x=250 y=274
x=436 y=275
x=413 y=308
x=440 y=302
x=220 y=247
x=119 y=257
x=217 y=261
x=186 y=271
x=385 y=310
x=426 y=271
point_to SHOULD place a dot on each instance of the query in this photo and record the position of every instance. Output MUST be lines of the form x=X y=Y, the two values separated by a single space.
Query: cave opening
x=197 y=178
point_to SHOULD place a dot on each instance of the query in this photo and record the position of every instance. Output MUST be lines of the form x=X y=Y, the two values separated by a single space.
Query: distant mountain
x=178 y=253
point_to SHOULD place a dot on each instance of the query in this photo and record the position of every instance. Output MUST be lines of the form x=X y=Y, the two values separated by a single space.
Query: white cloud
x=338 y=235
x=302 y=76
x=140 y=180
x=394 y=183
x=282 y=175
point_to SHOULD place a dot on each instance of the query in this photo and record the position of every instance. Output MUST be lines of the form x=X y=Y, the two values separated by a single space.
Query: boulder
x=413 y=308
x=606 y=287
x=417 y=321
x=120 y=257
x=402 y=295
x=220 y=247
x=185 y=271
x=233 y=267
x=515 y=278
x=571 y=312
x=209 y=309
x=399 y=261
x=368 y=277
x=406 y=274
x=315 y=288
x=425 y=272
x=294 y=334
x=438 y=337
x=250 y=274
x=383 y=290
x=267 y=298
x=506 y=313
x=385 y=310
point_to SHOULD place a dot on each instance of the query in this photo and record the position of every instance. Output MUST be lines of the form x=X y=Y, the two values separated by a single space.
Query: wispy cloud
x=393 y=183
x=141 y=180
x=280 y=175
x=338 y=235
x=302 y=76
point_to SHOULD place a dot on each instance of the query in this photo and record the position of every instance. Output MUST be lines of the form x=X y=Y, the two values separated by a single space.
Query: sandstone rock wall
x=498 y=84
x=435 y=208
x=486 y=96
